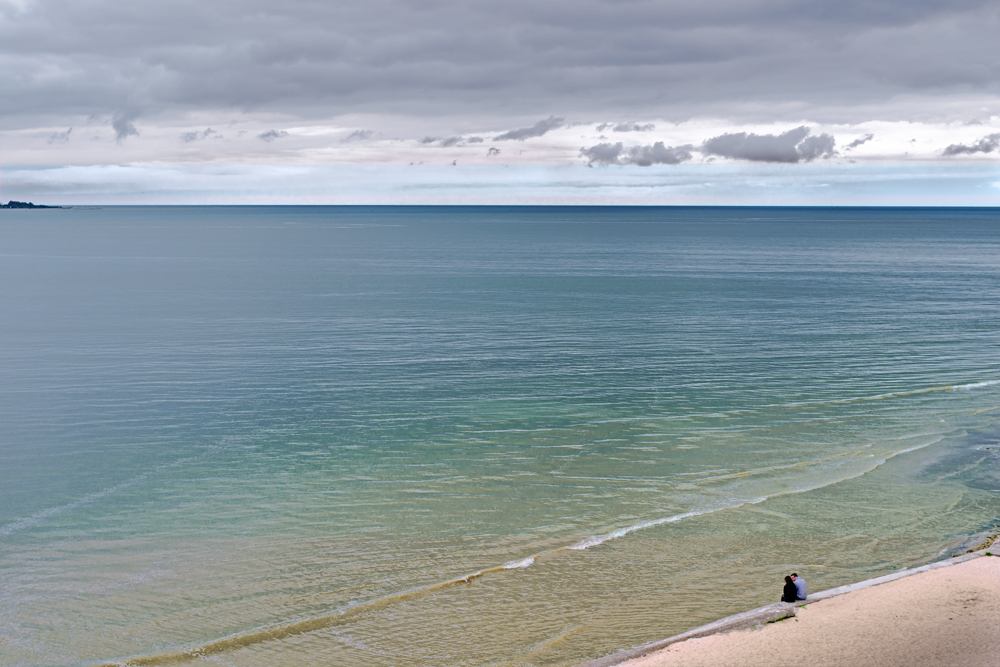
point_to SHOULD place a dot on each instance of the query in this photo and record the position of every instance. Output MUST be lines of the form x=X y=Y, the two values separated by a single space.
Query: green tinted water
x=288 y=436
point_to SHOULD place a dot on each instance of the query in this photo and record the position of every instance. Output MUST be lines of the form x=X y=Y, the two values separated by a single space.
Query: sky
x=554 y=101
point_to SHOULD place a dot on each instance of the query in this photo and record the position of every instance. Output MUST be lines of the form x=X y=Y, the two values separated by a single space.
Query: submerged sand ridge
x=939 y=617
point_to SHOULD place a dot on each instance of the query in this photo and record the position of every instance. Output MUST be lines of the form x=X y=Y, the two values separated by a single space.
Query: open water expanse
x=470 y=437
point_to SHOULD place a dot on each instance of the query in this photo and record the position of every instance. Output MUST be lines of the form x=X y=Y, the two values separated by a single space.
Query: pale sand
x=948 y=617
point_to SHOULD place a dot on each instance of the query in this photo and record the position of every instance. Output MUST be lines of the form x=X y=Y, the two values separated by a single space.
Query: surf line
x=238 y=641
x=234 y=642
x=895 y=394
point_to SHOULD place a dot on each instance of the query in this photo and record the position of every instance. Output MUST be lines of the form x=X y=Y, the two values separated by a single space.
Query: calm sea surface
x=475 y=436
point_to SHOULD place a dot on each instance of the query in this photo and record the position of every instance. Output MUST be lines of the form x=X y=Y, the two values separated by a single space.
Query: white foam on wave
x=894 y=394
x=914 y=448
x=519 y=564
x=977 y=385
x=595 y=540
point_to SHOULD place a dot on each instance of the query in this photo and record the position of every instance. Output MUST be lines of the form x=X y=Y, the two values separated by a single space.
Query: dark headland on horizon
x=24 y=204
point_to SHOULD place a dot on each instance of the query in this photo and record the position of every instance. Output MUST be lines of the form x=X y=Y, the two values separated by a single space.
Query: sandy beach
x=941 y=617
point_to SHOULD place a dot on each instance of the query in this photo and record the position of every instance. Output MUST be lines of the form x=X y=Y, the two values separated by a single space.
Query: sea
x=476 y=436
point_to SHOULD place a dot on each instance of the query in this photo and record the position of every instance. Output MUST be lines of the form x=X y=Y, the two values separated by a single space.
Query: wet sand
x=942 y=617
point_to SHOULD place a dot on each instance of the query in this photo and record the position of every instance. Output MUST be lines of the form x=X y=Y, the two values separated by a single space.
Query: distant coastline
x=25 y=204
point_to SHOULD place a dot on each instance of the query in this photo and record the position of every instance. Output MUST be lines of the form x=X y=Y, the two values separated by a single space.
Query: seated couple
x=795 y=588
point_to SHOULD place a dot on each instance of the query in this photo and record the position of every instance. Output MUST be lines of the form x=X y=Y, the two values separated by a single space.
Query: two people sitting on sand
x=795 y=588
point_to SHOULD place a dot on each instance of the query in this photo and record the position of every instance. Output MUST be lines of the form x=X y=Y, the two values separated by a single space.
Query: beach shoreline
x=654 y=654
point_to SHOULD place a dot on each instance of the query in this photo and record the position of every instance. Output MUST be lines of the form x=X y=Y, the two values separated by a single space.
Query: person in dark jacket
x=789 y=592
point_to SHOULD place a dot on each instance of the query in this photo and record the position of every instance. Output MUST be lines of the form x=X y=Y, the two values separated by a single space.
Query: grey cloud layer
x=539 y=129
x=987 y=144
x=188 y=137
x=358 y=135
x=451 y=141
x=271 y=135
x=630 y=126
x=795 y=145
x=517 y=59
x=123 y=127
x=643 y=156
x=858 y=142
x=60 y=137
x=792 y=146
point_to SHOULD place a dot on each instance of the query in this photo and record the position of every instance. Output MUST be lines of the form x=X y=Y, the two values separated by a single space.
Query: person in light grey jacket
x=800 y=585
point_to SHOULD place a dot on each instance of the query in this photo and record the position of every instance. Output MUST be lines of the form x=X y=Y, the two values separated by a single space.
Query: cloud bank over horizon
x=815 y=183
x=588 y=82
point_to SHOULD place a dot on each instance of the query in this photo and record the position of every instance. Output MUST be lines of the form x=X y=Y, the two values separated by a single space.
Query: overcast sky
x=605 y=86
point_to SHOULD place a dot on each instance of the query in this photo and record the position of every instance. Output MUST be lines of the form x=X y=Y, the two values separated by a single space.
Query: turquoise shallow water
x=275 y=435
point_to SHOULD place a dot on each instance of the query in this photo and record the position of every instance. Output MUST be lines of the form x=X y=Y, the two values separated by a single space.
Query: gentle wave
x=354 y=611
x=29 y=521
x=34 y=519
x=596 y=540
x=857 y=399
x=519 y=564
x=38 y=517
x=977 y=385
x=238 y=641
x=894 y=394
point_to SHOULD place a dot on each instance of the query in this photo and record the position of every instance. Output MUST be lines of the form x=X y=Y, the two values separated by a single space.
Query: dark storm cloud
x=523 y=59
x=492 y=151
x=987 y=144
x=792 y=146
x=538 y=129
x=60 y=137
x=857 y=142
x=643 y=156
x=271 y=135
